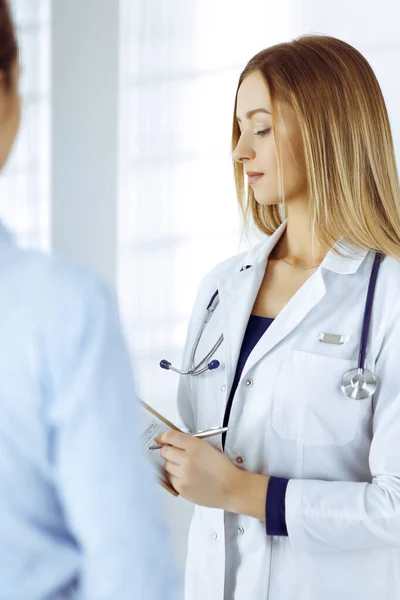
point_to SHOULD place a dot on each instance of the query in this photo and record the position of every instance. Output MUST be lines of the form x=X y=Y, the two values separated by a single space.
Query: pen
x=200 y=434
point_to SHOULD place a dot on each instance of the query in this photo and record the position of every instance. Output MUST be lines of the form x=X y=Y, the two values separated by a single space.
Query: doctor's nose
x=243 y=152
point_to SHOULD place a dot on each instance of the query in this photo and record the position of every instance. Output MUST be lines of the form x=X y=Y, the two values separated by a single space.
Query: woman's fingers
x=171 y=468
x=173 y=455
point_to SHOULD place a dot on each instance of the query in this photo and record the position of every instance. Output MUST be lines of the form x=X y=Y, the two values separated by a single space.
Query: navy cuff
x=275 y=506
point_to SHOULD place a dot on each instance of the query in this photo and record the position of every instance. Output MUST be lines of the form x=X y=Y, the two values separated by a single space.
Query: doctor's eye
x=263 y=132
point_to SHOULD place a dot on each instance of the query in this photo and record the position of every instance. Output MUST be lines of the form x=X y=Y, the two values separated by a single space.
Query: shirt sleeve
x=275 y=506
x=327 y=516
x=107 y=491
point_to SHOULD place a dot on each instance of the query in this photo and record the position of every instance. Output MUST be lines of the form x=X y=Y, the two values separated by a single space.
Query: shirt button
x=239 y=460
x=240 y=530
x=214 y=536
x=249 y=382
x=223 y=388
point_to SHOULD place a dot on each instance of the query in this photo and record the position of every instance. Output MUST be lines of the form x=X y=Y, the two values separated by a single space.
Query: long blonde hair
x=352 y=179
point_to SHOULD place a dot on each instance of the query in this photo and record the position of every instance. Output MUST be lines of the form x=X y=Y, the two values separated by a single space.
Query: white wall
x=85 y=92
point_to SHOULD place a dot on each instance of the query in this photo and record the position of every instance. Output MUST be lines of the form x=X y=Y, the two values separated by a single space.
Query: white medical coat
x=290 y=419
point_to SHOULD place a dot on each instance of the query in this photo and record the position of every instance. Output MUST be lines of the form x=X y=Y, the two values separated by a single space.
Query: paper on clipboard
x=152 y=425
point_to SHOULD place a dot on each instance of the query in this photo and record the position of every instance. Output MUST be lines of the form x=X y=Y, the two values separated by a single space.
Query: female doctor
x=301 y=499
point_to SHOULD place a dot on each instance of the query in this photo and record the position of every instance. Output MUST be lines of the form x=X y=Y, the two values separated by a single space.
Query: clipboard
x=153 y=423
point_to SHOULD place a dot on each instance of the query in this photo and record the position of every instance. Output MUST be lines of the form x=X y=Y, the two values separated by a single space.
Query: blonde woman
x=301 y=499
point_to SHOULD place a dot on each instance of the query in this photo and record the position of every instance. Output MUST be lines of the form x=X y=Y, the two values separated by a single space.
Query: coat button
x=239 y=460
x=223 y=388
x=214 y=536
x=240 y=530
x=249 y=382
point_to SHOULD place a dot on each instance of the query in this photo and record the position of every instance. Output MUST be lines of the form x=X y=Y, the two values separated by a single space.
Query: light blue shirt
x=80 y=512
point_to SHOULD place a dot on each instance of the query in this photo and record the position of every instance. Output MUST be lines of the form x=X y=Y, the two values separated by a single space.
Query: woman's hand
x=199 y=472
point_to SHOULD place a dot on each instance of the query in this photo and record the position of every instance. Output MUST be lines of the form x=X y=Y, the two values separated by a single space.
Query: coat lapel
x=237 y=296
x=289 y=318
x=238 y=292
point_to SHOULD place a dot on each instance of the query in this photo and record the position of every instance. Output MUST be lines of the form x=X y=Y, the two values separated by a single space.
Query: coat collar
x=332 y=262
x=238 y=290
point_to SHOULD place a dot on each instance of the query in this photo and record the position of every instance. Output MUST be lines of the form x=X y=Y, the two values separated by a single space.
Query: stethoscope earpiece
x=214 y=364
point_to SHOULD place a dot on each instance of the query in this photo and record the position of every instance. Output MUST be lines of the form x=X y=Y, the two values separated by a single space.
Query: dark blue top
x=275 y=501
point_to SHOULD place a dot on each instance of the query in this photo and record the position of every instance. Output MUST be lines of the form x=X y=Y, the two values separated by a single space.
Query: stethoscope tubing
x=202 y=367
x=368 y=309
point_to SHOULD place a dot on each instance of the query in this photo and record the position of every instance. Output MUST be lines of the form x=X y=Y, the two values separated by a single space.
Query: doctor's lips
x=254 y=176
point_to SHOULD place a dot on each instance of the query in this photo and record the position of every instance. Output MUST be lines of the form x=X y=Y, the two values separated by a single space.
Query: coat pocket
x=308 y=403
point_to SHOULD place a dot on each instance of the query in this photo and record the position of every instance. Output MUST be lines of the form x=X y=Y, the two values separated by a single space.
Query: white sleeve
x=326 y=516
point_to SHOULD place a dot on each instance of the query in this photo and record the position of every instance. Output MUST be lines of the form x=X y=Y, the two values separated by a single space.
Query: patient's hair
x=353 y=185
x=8 y=42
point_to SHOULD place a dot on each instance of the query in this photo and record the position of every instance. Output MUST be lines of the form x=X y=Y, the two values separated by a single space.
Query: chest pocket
x=308 y=403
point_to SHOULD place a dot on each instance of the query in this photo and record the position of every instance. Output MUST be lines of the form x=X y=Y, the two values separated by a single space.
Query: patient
x=80 y=515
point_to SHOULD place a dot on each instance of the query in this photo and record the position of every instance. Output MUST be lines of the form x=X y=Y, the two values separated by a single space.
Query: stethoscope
x=358 y=383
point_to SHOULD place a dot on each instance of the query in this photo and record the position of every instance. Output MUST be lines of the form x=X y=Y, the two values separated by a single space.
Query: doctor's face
x=256 y=147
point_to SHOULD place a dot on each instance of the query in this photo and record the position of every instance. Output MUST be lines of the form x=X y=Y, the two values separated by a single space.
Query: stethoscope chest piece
x=358 y=384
